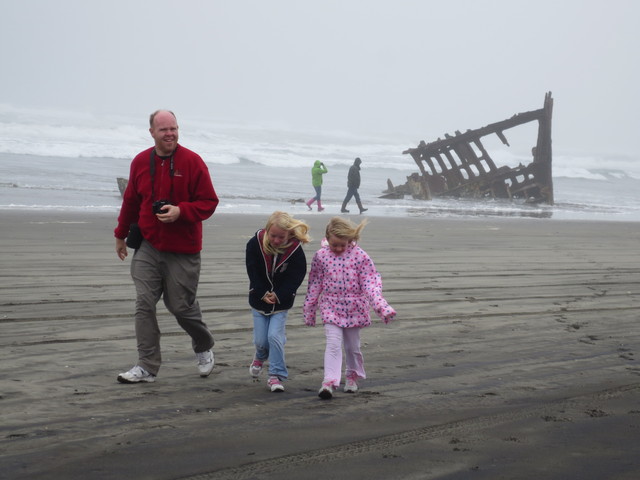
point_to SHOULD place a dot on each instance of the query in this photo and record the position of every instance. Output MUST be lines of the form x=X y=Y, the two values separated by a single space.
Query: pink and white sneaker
x=274 y=384
x=351 y=385
x=326 y=391
x=255 y=369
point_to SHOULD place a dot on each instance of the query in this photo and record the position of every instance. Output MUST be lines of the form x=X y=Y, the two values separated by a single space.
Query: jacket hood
x=324 y=243
x=317 y=163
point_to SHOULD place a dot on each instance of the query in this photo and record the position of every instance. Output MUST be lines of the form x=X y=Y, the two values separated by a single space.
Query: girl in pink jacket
x=344 y=284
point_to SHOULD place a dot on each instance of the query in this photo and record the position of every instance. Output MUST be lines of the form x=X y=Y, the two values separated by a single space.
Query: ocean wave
x=74 y=135
x=59 y=207
x=62 y=188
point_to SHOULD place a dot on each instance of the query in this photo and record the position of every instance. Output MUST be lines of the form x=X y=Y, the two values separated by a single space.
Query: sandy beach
x=514 y=356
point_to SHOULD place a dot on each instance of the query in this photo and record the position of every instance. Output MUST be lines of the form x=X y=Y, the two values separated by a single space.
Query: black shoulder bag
x=134 y=238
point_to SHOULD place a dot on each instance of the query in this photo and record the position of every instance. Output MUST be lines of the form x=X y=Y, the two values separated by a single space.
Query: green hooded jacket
x=317 y=171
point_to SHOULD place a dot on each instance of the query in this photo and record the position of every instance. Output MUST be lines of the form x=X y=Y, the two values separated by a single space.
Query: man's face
x=165 y=133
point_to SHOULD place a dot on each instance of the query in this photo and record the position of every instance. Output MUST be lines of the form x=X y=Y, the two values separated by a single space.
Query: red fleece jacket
x=192 y=191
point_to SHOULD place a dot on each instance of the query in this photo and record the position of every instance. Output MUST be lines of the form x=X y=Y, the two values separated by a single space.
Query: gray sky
x=414 y=69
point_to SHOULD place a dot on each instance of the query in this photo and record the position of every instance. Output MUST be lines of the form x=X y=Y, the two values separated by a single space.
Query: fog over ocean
x=54 y=160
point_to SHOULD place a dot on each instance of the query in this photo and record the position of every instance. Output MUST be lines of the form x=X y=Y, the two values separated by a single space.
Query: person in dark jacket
x=276 y=266
x=353 y=184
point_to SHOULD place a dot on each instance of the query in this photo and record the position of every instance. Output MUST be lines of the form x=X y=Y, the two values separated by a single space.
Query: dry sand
x=515 y=355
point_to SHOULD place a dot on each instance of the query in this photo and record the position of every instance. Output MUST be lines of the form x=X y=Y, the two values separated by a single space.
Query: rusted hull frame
x=460 y=166
x=122 y=184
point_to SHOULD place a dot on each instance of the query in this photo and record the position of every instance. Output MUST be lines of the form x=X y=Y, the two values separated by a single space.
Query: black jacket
x=281 y=274
x=353 y=178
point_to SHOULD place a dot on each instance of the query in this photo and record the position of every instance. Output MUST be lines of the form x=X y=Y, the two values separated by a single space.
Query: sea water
x=70 y=161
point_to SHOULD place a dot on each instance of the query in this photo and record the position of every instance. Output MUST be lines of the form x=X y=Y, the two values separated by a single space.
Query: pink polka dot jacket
x=344 y=287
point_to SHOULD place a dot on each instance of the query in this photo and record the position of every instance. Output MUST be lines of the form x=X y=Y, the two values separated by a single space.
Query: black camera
x=158 y=204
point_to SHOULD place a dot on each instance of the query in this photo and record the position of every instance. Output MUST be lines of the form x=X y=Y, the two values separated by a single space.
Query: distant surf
x=61 y=160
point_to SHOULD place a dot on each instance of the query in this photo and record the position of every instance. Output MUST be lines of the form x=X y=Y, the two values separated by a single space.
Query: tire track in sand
x=383 y=443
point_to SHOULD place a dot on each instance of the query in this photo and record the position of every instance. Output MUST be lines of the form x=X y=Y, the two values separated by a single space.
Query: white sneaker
x=351 y=385
x=136 y=375
x=274 y=384
x=205 y=362
x=326 y=391
x=255 y=369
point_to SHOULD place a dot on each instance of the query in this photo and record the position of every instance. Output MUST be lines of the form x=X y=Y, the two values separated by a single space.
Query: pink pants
x=336 y=336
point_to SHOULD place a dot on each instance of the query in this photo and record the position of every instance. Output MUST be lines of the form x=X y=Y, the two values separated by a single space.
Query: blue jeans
x=269 y=337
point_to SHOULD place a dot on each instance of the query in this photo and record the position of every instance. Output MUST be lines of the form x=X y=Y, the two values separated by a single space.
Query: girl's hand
x=384 y=310
x=310 y=323
x=270 y=298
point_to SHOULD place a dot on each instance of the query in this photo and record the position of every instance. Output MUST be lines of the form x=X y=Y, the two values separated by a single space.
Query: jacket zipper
x=273 y=273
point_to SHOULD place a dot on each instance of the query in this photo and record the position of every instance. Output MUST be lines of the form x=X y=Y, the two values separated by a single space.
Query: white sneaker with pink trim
x=326 y=391
x=274 y=384
x=351 y=385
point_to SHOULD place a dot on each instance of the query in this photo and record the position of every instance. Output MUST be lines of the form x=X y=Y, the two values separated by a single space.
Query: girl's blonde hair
x=344 y=229
x=296 y=228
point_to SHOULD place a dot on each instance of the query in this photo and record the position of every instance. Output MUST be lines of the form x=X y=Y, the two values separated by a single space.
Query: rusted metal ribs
x=122 y=184
x=460 y=166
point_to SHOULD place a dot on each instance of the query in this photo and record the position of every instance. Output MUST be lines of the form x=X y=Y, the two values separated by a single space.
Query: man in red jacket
x=168 y=196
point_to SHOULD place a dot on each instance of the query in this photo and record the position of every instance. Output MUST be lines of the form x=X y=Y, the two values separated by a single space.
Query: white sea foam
x=69 y=160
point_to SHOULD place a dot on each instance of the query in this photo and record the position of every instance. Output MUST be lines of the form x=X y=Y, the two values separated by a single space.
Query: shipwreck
x=460 y=166
x=122 y=184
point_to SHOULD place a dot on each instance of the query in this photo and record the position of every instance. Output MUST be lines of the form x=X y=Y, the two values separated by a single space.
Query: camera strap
x=152 y=171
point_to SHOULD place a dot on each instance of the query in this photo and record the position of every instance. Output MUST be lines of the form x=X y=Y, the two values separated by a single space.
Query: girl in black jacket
x=276 y=266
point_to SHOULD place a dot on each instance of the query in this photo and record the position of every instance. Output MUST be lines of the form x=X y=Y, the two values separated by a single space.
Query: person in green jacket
x=317 y=171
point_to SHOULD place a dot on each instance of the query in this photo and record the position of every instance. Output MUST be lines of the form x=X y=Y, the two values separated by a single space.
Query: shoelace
x=203 y=358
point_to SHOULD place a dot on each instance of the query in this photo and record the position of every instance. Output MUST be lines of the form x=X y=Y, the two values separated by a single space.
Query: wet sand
x=515 y=355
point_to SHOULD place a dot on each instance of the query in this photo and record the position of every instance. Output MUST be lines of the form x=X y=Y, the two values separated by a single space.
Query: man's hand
x=170 y=215
x=121 y=248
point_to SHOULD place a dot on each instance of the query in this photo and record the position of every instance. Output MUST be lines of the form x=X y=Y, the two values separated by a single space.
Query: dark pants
x=352 y=192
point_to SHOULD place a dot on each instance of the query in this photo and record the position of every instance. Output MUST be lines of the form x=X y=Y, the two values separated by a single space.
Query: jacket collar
x=280 y=258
